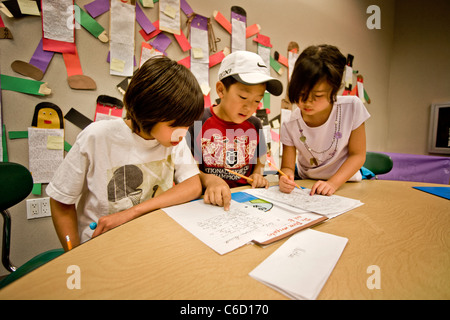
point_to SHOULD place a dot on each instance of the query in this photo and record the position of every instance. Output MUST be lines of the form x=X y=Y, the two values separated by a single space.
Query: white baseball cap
x=249 y=68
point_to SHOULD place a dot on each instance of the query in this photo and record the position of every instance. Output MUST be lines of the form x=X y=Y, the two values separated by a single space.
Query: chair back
x=16 y=184
x=378 y=163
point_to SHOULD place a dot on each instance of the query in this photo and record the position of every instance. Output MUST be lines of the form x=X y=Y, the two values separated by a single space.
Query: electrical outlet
x=38 y=208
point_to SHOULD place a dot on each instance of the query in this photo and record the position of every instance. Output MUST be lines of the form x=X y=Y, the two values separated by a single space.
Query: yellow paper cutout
x=29 y=7
x=117 y=65
x=170 y=11
x=48 y=118
x=197 y=53
x=55 y=142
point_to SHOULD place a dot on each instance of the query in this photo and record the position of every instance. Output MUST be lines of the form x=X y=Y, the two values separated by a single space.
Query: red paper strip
x=222 y=21
x=183 y=41
x=252 y=30
x=72 y=62
x=153 y=34
x=263 y=40
x=216 y=58
x=186 y=62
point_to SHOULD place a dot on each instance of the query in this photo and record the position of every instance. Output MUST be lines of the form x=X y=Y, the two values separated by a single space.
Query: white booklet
x=301 y=266
x=329 y=206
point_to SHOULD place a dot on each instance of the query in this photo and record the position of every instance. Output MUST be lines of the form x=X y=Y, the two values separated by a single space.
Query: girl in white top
x=326 y=133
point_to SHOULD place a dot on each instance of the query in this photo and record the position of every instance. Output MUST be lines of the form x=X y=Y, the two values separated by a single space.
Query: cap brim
x=274 y=86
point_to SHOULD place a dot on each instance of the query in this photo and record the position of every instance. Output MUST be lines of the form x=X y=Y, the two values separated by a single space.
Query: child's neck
x=317 y=119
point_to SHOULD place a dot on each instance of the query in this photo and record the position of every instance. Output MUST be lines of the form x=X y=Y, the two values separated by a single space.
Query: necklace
x=334 y=141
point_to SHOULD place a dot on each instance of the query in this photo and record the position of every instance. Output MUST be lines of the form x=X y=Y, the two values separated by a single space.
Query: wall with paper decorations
x=78 y=83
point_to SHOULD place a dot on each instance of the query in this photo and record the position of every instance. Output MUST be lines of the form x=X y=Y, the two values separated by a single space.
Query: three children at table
x=120 y=169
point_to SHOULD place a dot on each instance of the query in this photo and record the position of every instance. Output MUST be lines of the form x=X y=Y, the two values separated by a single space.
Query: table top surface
x=403 y=231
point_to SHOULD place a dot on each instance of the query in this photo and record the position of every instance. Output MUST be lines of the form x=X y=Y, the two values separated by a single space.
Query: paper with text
x=302 y=265
x=330 y=206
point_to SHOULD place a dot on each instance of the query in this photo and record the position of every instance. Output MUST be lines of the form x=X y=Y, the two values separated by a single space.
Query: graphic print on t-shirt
x=130 y=185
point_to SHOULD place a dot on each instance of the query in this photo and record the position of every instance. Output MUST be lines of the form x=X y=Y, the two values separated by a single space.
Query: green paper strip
x=275 y=65
x=17 y=134
x=37 y=189
x=21 y=85
x=5 y=151
x=67 y=146
x=266 y=100
x=88 y=22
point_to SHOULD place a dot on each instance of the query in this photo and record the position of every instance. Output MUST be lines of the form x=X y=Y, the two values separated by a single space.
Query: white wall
x=342 y=23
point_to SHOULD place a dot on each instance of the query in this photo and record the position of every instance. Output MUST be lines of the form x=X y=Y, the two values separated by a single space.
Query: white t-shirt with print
x=110 y=169
x=328 y=143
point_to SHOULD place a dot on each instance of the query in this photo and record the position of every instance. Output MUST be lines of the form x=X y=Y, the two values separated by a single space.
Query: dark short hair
x=228 y=82
x=161 y=91
x=316 y=63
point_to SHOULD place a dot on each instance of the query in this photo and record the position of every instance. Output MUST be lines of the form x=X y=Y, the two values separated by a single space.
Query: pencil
x=69 y=244
x=240 y=175
x=281 y=172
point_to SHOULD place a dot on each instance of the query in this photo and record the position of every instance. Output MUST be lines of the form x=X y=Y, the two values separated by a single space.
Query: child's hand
x=109 y=222
x=325 y=188
x=259 y=181
x=286 y=184
x=218 y=193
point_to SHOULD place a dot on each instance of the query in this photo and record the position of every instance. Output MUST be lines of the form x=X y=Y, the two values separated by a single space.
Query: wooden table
x=403 y=231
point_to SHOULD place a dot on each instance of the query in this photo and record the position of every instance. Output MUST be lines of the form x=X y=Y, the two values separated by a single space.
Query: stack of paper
x=301 y=266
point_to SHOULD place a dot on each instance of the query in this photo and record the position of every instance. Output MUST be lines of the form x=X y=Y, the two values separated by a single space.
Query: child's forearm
x=65 y=221
x=347 y=170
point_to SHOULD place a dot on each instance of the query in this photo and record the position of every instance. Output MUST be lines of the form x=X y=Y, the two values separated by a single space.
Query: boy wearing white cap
x=228 y=143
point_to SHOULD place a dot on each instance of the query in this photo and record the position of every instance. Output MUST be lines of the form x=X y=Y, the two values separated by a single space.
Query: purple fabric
x=418 y=168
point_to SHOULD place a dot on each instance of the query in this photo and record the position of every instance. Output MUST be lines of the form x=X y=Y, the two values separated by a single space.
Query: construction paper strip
x=122 y=38
x=276 y=66
x=97 y=7
x=143 y=21
x=169 y=16
x=238 y=34
x=200 y=52
x=37 y=189
x=443 y=192
x=77 y=118
x=263 y=40
x=161 y=42
x=72 y=62
x=4 y=150
x=153 y=34
x=147 y=51
x=185 y=62
x=41 y=58
x=222 y=21
x=90 y=24
x=281 y=59
x=186 y=8
x=17 y=135
x=34 y=87
x=183 y=41
x=216 y=58
x=252 y=30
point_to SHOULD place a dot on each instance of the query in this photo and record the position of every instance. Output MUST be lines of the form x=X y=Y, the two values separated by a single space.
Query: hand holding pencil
x=290 y=181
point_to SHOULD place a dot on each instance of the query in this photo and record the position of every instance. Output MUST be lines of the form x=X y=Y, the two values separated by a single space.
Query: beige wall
x=420 y=72
x=378 y=57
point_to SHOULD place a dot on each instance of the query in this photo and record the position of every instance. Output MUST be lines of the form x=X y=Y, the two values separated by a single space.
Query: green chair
x=16 y=183
x=378 y=163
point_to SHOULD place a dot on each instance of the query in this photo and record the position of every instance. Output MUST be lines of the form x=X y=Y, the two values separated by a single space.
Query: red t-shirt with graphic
x=218 y=145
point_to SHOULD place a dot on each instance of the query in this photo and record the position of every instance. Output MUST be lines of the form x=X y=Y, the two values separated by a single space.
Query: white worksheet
x=221 y=230
x=329 y=206
x=301 y=266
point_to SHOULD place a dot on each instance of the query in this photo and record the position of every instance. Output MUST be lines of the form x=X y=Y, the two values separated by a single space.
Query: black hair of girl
x=316 y=63
x=162 y=91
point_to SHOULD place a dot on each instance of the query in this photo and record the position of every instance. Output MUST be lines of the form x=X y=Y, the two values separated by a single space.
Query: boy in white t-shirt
x=326 y=131
x=118 y=170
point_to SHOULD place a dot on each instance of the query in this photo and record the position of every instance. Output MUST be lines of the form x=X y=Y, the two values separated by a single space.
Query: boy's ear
x=220 y=88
